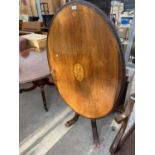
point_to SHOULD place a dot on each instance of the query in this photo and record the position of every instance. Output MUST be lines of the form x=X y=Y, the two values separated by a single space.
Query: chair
x=124 y=144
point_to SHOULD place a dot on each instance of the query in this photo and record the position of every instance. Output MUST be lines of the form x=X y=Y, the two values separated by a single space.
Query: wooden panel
x=85 y=59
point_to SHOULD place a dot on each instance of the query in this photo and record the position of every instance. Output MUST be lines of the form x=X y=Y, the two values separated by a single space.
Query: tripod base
x=93 y=124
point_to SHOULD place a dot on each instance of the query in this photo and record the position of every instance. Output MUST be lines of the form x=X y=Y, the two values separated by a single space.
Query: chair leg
x=95 y=132
x=43 y=97
x=72 y=121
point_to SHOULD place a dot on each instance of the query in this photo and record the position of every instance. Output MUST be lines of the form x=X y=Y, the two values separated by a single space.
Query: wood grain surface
x=85 y=59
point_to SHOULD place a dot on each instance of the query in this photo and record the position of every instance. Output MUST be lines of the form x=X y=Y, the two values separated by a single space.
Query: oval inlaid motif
x=78 y=72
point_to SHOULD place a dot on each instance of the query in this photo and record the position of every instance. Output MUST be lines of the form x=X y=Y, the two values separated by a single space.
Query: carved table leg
x=28 y=89
x=39 y=83
x=72 y=121
x=47 y=82
x=95 y=132
x=94 y=127
x=43 y=97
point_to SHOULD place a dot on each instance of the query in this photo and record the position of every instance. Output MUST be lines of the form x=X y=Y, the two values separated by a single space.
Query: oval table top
x=33 y=65
x=86 y=59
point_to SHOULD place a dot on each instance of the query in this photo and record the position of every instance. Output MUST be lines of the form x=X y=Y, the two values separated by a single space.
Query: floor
x=44 y=133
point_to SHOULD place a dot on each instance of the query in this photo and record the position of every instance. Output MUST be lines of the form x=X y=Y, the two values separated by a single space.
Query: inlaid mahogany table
x=86 y=61
x=33 y=67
